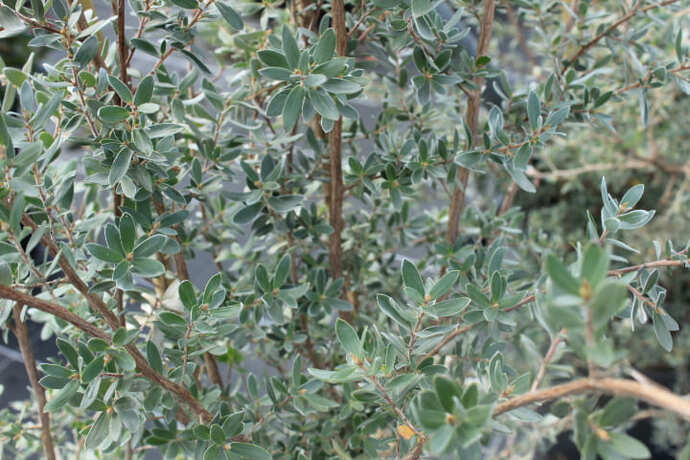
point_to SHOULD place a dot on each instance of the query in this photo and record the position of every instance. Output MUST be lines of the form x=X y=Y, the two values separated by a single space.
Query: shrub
x=383 y=192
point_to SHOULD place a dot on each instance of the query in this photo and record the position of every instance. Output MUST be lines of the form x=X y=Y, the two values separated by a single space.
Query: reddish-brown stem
x=547 y=358
x=58 y=311
x=457 y=200
x=335 y=250
x=147 y=371
x=21 y=331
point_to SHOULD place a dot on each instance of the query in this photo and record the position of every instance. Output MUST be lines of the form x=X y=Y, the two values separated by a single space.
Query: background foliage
x=404 y=208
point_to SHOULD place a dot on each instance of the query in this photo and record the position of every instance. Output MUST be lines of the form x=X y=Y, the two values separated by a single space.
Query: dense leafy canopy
x=413 y=250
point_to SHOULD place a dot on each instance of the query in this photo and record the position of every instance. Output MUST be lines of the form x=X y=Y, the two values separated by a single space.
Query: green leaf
x=314 y=80
x=276 y=73
x=90 y=394
x=519 y=177
x=69 y=351
x=325 y=47
x=290 y=48
x=145 y=46
x=293 y=107
x=391 y=309
x=10 y=24
x=124 y=337
x=113 y=114
x=276 y=104
x=112 y=237
x=120 y=166
x=347 y=336
x=282 y=271
x=617 y=411
x=609 y=299
x=446 y=390
x=663 y=336
x=127 y=232
x=443 y=286
x=103 y=253
x=560 y=275
x=187 y=295
x=144 y=91
x=150 y=246
x=148 y=268
x=98 y=432
x=533 y=111
x=595 y=265
x=340 y=86
x=632 y=196
x=87 y=51
x=261 y=277
x=120 y=88
x=627 y=446
x=422 y=7
x=284 y=203
x=411 y=277
x=16 y=212
x=272 y=58
x=230 y=16
x=217 y=434
x=323 y=104
x=93 y=369
x=62 y=397
x=449 y=307
x=251 y=451
x=123 y=360
x=15 y=76
x=248 y=213
x=186 y=4
x=153 y=356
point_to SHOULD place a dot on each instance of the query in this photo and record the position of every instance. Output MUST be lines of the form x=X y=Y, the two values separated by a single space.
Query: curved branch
x=652 y=394
x=61 y=312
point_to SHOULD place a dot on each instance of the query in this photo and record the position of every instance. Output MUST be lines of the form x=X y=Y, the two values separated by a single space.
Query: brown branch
x=147 y=371
x=549 y=355
x=21 y=331
x=652 y=394
x=35 y=24
x=58 y=311
x=625 y=18
x=456 y=332
x=654 y=264
x=457 y=201
x=335 y=250
x=421 y=437
x=121 y=44
x=94 y=301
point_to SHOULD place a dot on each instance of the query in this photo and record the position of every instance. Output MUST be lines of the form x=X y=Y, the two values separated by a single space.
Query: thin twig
x=625 y=18
x=547 y=358
x=21 y=331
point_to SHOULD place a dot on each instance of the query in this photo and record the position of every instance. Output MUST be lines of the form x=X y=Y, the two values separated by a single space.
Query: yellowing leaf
x=405 y=431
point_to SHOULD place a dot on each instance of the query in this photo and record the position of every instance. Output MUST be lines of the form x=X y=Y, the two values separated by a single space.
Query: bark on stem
x=457 y=200
x=21 y=331
x=146 y=370
x=652 y=394
x=335 y=250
